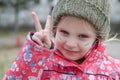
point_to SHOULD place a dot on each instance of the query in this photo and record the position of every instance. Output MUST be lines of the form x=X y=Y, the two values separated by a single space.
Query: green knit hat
x=95 y=11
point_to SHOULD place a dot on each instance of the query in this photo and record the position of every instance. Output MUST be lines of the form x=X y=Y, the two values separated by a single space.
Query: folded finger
x=37 y=40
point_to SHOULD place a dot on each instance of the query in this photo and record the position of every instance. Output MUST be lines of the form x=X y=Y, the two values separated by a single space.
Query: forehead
x=80 y=24
x=73 y=17
x=69 y=18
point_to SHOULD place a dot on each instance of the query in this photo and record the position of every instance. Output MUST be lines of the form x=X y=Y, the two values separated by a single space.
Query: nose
x=71 y=43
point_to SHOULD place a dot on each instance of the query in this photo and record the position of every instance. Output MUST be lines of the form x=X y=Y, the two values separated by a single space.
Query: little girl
x=77 y=53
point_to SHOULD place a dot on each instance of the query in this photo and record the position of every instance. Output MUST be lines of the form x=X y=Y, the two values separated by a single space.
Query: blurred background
x=16 y=22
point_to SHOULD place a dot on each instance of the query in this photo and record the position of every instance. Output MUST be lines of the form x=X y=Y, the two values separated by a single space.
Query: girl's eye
x=64 y=32
x=83 y=36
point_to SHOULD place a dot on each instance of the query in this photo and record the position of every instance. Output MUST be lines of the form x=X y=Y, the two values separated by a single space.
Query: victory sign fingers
x=42 y=36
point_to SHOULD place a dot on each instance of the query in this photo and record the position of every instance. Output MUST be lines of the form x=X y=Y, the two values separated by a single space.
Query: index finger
x=38 y=26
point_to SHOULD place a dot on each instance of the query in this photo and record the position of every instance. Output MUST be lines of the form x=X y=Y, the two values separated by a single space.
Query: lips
x=71 y=54
x=71 y=51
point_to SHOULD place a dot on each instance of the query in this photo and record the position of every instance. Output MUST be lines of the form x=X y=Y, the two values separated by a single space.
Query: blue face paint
x=86 y=44
x=60 y=38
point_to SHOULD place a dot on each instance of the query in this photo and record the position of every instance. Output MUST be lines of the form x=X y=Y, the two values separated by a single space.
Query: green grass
x=7 y=56
x=8 y=50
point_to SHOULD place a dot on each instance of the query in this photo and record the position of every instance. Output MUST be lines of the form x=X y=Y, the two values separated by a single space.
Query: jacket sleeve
x=28 y=63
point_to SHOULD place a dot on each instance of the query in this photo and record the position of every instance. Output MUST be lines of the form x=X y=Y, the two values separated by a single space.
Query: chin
x=72 y=58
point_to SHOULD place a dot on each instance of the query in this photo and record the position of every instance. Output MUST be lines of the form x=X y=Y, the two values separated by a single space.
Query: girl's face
x=74 y=37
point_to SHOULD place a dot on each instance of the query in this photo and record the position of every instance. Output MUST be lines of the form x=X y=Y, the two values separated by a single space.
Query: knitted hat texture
x=95 y=11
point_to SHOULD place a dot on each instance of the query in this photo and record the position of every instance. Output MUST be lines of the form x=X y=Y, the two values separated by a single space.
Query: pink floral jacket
x=37 y=63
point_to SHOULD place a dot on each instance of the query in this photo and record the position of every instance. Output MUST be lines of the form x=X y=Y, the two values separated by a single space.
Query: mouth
x=71 y=51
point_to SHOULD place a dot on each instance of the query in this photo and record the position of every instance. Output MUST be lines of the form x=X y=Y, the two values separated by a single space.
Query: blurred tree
x=17 y=6
x=2 y=4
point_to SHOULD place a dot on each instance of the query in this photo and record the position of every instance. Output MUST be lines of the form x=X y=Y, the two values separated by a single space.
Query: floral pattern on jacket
x=38 y=63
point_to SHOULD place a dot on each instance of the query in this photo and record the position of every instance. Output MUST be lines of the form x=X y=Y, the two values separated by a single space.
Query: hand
x=42 y=36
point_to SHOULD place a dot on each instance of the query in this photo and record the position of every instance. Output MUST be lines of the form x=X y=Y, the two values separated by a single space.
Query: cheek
x=59 y=38
x=89 y=43
x=59 y=41
x=86 y=46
